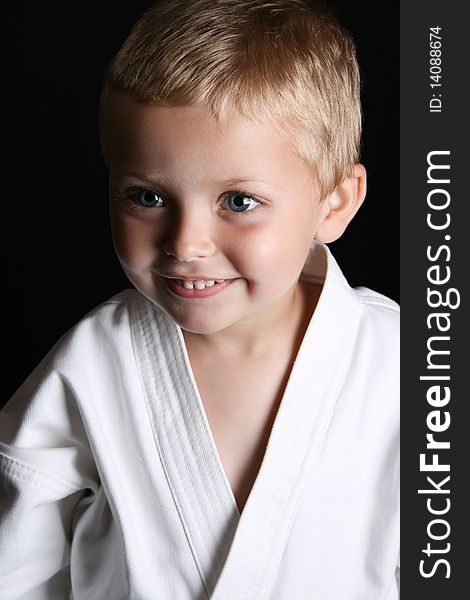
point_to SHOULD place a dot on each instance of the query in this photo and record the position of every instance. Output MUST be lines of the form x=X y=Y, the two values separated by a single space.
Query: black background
x=59 y=255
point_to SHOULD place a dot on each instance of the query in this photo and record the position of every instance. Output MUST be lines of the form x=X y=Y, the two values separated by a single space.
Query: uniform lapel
x=200 y=489
x=296 y=438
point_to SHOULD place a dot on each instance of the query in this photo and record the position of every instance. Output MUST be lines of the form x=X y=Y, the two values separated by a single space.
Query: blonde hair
x=286 y=61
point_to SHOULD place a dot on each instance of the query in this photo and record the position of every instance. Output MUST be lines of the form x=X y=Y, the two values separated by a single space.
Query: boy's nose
x=188 y=239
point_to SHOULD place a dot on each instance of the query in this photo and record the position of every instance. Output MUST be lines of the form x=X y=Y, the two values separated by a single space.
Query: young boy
x=229 y=428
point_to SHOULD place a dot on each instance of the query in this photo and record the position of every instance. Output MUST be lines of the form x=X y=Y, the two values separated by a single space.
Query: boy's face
x=193 y=200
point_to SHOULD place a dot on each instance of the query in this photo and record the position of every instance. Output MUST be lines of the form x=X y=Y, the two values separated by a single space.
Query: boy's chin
x=205 y=324
x=199 y=328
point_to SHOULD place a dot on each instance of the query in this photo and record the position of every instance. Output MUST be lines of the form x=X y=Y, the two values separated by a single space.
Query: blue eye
x=149 y=199
x=241 y=202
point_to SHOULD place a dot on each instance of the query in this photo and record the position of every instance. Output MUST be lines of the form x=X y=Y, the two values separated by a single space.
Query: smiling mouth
x=199 y=288
x=199 y=284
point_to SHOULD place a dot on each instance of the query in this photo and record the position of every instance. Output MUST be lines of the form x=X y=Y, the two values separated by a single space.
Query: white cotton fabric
x=112 y=487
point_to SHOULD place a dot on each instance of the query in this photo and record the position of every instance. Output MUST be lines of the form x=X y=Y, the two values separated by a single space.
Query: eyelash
x=133 y=206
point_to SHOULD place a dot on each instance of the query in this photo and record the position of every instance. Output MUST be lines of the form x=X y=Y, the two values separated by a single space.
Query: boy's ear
x=342 y=205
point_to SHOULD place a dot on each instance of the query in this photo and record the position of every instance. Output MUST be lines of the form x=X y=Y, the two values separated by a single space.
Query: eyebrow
x=158 y=179
x=247 y=180
x=152 y=179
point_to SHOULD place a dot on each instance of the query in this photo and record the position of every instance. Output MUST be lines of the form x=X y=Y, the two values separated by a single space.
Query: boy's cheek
x=135 y=244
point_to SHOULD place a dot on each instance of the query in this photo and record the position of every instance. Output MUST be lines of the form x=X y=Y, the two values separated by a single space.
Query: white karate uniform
x=113 y=488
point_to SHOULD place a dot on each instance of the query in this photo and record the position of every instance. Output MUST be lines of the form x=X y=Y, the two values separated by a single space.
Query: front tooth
x=188 y=285
x=210 y=283
x=200 y=284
